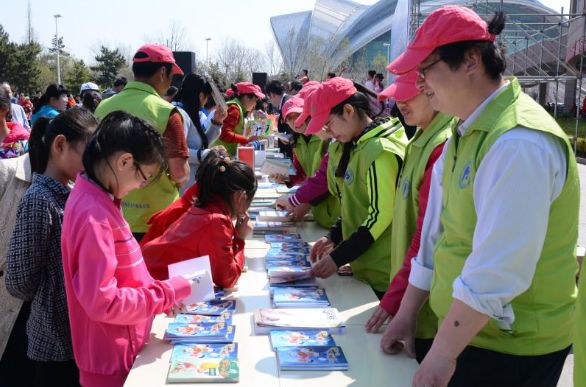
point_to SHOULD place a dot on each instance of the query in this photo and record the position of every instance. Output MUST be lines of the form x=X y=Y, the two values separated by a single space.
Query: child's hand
x=378 y=318
x=323 y=246
x=243 y=226
x=279 y=178
x=298 y=213
x=324 y=268
x=282 y=203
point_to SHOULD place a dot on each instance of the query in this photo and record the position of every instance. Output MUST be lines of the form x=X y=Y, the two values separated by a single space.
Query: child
x=34 y=269
x=226 y=189
x=363 y=167
x=110 y=295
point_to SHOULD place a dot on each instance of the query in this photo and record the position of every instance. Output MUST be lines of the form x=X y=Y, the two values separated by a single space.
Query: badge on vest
x=348 y=177
x=465 y=177
x=405 y=188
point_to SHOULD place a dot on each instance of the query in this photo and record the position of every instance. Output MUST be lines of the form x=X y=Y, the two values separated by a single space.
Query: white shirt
x=519 y=177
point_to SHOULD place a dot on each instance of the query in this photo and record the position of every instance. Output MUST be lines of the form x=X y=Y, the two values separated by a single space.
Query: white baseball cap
x=89 y=86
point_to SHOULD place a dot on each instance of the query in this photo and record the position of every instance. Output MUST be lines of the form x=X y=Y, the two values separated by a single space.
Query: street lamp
x=388 y=46
x=57 y=16
x=208 y=51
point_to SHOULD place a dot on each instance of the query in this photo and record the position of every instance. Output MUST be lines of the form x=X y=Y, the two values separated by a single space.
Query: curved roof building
x=343 y=29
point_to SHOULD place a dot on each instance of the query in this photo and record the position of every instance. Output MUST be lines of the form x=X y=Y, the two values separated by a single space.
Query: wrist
x=442 y=348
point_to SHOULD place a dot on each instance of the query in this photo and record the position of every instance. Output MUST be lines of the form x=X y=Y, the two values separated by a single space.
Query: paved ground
x=566 y=379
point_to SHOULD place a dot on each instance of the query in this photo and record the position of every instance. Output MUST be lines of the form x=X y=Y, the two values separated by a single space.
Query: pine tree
x=109 y=62
x=78 y=75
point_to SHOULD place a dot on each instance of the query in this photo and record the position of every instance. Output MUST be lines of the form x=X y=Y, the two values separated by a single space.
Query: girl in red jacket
x=226 y=188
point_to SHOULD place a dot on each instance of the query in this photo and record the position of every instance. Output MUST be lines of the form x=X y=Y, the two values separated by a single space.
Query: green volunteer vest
x=374 y=266
x=141 y=100
x=579 y=335
x=239 y=129
x=543 y=313
x=309 y=154
x=406 y=209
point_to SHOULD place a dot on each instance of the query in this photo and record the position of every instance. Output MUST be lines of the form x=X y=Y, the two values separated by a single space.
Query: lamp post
x=57 y=16
x=208 y=51
x=388 y=46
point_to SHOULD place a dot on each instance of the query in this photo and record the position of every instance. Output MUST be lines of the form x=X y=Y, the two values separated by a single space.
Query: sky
x=127 y=24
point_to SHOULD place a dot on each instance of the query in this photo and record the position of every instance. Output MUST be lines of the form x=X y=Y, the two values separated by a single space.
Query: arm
x=382 y=174
x=226 y=252
x=398 y=285
x=230 y=122
x=96 y=288
x=314 y=188
x=28 y=247
x=176 y=150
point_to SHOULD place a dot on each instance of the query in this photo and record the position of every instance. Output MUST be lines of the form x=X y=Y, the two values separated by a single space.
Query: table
x=368 y=366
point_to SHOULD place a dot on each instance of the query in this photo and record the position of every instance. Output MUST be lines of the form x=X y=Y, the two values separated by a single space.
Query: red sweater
x=200 y=231
x=394 y=294
x=230 y=122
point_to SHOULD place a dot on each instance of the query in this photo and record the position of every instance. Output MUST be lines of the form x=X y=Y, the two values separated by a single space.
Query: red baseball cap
x=403 y=89
x=292 y=105
x=230 y=93
x=157 y=53
x=307 y=101
x=249 y=88
x=327 y=96
x=307 y=88
x=445 y=25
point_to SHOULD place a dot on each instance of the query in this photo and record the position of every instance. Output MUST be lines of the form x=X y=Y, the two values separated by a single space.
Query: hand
x=399 y=335
x=256 y=138
x=279 y=178
x=378 y=318
x=436 y=370
x=243 y=226
x=282 y=203
x=298 y=213
x=219 y=116
x=324 y=268
x=221 y=150
x=175 y=310
x=322 y=246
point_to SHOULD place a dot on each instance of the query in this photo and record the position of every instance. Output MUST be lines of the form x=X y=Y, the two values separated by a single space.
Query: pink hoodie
x=111 y=297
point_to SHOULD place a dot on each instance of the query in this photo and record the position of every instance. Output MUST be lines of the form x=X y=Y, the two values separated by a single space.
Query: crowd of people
x=460 y=211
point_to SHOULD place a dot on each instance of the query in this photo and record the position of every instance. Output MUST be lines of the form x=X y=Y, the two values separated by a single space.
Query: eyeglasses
x=423 y=70
x=146 y=179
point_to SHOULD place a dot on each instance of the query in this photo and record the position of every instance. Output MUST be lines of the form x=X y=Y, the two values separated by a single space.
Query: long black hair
x=123 y=132
x=75 y=124
x=218 y=176
x=52 y=91
x=193 y=84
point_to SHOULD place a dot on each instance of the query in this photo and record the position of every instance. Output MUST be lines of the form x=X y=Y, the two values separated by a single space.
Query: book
x=199 y=271
x=301 y=250
x=204 y=363
x=199 y=333
x=280 y=274
x=300 y=262
x=273 y=166
x=272 y=225
x=283 y=238
x=294 y=245
x=283 y=189
x=288 y=297
x=267 y=319
x=311 y=358
x=211 y=308
x=305 y=283
x=274 y=216
x=301 y=337
x=203 y=319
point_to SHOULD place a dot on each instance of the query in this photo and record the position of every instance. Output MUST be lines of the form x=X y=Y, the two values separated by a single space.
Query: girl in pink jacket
x=111 y=297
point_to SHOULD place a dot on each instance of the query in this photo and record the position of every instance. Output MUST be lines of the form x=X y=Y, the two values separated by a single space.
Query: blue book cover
x=311 y=358
x=203 y=319
x=299 y=296
x=304 y=283
x=291 y=244
x=285 y=262
x=302 y=337
x=182 y=330
x=192 y=350
x=212 y=307
x=283 y=238
x=280 y=274
x=278 y=253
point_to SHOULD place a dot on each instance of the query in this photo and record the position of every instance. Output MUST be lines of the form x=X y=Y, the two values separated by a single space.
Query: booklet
x=301 y=337
x=300 y=244
x=300 y=262
x=203 y=319
x=204 y=363
x=211 y=308
x=199 y=271
x=282 y=166
x=299 y=297
x=305 y=283
x=283 y=238
x=274 y=216
x=267 y=319
x=200 y=333
x=311 y=358
x=276 y=251
x=280 y=274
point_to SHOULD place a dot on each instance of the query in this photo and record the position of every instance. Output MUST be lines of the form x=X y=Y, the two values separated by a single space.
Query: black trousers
x=52 y=373
x=422 y=347
x=16 y=369
x=483 y=368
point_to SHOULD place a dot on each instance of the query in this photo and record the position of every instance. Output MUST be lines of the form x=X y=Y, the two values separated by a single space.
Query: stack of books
x=180 y=333
x=212 y=308
x=268 y=319
x=294 y=297
x=204 y=363
x=289 y=237
x=287 y=263
x=274 y=216
x=296 y=338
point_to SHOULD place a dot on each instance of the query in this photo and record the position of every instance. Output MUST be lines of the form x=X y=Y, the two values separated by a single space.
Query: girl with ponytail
x=34 y=269
x=111 y=297
x=53 y=102
x=226 y=188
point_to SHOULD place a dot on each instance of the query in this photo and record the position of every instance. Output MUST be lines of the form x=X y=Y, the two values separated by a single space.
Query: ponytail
x=218 y=176
x=74 y=124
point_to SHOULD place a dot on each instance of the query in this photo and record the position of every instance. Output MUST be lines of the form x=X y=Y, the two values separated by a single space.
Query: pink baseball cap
x=445 y=25
x=403 y=89
x=249 y=88
x=157 y=53
x=292 y=105
x=327 y=96
x=230 y=93
x=307 y=101
x=307 y=88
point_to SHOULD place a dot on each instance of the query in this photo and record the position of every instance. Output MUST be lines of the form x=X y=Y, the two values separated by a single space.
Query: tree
x=78 y=75
x=109 y=63
x=57 y=44
x=274 y=60
x=238 y=61
x=19 y=63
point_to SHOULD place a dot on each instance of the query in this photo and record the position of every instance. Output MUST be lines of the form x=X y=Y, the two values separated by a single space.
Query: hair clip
x=222 y=168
